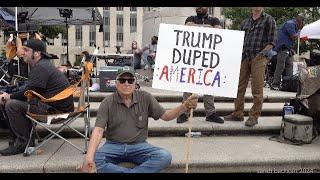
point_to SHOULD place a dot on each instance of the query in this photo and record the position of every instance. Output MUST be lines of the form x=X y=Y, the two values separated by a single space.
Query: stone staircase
x=228 y=147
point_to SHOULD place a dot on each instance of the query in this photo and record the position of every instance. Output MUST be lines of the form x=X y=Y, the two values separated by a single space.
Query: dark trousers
x=284 y=65
x=20 y=125
x=5 y=122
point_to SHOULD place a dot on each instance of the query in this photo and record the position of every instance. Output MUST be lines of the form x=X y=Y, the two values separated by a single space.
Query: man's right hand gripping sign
x=191 y=102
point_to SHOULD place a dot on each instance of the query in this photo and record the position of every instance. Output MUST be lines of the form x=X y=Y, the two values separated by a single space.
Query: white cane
x=189 y=140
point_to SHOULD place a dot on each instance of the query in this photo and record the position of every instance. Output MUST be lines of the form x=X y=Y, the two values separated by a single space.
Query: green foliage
x=280 y=14
x=3 y=52
x=236 y=14
x=78 y=60
x=53 y=31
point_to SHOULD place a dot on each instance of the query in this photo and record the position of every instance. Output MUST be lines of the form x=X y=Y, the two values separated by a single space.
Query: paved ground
x=207 y=154
x=233 y=148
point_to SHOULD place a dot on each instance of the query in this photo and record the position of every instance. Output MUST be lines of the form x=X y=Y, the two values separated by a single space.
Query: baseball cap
x=125 y=69
x=37 y=45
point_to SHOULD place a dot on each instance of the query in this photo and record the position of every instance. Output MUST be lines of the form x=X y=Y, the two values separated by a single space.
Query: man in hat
x=123 y=118
x=45 y=79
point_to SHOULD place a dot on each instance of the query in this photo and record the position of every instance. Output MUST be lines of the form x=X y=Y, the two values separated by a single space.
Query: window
x=119 y=20
x=106 y=8
x=106 y=20
x=78 y=60
x=78 y=35
x=63 y=59
x=119 y=10
x=106 y=27
x=50 y=42
x=133 y=19
x=120 y=30
x=210 y=11
x=92 y=35
x=120 y=39
x=64 y=41
x=107 y=39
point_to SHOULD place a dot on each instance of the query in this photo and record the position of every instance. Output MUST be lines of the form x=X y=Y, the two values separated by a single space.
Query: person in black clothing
x=202 y=19
x=45 y=79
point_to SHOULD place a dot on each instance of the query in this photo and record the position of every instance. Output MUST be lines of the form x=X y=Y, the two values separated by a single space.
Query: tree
x=280 y=14
x=236 y=15
x=53 y=31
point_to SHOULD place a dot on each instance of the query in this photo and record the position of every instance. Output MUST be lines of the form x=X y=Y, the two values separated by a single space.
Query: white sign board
x=198 y=60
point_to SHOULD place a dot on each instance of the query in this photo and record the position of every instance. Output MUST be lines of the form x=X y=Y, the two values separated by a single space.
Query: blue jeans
x=148 y=158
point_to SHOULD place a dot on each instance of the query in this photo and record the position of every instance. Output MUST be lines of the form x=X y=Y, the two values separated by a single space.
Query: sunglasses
x=123 y=80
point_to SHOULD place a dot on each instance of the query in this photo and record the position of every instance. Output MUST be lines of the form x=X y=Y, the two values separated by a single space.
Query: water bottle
x=287 y=109
x=194 y=134
x=32 y=151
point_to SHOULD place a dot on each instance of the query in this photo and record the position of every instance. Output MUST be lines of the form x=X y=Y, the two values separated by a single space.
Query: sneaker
x=215 y=118
x=231 y=117
x=251 y=122
x=182 y=118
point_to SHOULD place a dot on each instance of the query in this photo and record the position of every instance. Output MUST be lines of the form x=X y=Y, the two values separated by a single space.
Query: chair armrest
x=32 y=94
x=58 y=97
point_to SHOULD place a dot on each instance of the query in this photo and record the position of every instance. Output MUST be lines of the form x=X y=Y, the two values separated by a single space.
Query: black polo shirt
x=203 y=20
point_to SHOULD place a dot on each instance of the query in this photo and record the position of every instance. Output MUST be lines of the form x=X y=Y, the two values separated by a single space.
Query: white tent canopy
x=311 y=31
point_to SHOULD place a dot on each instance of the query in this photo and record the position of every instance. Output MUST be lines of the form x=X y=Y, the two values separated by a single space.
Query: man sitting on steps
x=123 y=118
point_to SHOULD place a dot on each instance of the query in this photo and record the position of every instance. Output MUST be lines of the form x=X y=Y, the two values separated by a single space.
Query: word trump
x=197 y=76
x=190 y=55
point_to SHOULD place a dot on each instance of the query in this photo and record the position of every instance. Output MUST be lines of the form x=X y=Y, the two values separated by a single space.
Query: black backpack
x=290 y=83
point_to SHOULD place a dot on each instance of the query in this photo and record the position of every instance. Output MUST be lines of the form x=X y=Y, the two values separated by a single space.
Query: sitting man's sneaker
x=231 y=117
x=251 y=122
x=182 y=118
x=215 y=118
x=12 y=150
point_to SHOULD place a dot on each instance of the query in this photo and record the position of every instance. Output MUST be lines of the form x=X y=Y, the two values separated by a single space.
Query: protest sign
x=198 y=60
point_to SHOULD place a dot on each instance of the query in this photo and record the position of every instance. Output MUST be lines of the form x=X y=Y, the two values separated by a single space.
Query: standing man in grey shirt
x=203 y=19
x=123 y=119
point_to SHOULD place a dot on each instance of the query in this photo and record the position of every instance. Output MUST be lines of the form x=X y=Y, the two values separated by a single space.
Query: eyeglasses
x=123 y=80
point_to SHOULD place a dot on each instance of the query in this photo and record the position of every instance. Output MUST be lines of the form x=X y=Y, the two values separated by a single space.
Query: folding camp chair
x=64 y=119
x=4 y=71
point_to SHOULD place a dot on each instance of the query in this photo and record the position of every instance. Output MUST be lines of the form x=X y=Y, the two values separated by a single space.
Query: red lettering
x=164 y=72
x=191 y=75
x=205 y=75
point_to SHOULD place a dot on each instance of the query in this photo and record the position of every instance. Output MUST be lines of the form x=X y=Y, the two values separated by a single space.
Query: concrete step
x=207 y=155
x=222 y=108
x=173 y=96
x=266 y=126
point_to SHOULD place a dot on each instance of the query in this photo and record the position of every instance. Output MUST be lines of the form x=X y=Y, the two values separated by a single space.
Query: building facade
x=122 y=25
x=153 y=16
